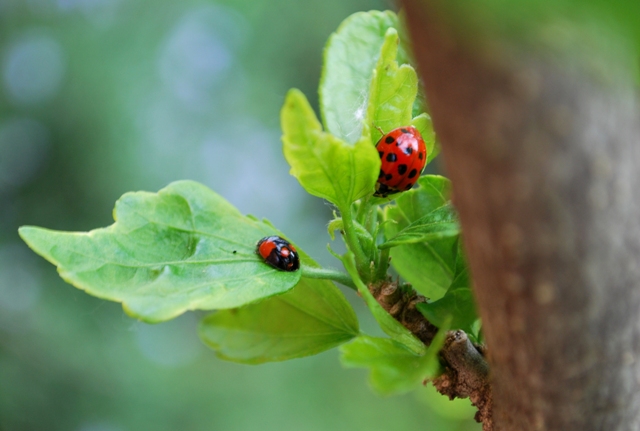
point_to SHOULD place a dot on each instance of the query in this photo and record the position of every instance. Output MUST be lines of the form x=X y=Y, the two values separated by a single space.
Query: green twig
x=383 y=264
x=328 y=274
x=363 y=210
x=362 y=261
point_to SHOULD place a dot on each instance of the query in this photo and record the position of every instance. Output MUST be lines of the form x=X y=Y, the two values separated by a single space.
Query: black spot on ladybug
x=279 y=253
x=396 y=180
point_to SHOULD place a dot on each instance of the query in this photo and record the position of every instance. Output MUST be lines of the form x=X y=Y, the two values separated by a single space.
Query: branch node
x=466 y=372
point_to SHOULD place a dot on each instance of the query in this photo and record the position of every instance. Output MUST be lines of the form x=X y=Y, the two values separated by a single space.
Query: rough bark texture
x=401 y=304
x=466 y=373
x=466 y=376
x=545 y=165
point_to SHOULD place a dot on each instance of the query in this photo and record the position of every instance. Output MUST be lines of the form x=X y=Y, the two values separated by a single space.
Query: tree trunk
x=545 y=163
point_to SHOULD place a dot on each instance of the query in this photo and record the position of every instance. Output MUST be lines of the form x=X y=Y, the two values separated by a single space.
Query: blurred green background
x=101 y=97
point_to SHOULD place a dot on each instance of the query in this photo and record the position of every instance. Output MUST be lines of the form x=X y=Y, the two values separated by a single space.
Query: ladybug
x=279 y=253
x=404 y=155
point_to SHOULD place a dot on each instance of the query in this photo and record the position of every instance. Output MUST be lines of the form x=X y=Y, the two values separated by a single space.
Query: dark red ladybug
x=279 y=253
x=403 y=154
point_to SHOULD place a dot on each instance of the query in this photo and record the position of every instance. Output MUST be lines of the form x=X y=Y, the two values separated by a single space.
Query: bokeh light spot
x=33 y=69
x=24 y=144
x=196 y=55
x=172 y=344
x=19 y=278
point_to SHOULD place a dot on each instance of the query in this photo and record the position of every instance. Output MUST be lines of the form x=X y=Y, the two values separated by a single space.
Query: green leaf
x=333 y=226
x=183 y=248
x=363 y=235
x=457 y=304
x=457 y=308
x=311 y=318
x=323 y=164
x=424 y=125
x=439 y=223
x=387 y=323
x=393 y=90
x=428 y=265
x=433 y=192
x=350 y=57
x=394 y=368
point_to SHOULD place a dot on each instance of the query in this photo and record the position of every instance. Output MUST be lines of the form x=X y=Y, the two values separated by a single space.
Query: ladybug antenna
x=379 y=129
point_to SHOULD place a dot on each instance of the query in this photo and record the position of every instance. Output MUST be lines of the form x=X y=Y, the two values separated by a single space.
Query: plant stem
x=363 y=210
x=362 y=261
x=371 y=224
x=328 y=274
x=371 y=220
x=383 y=264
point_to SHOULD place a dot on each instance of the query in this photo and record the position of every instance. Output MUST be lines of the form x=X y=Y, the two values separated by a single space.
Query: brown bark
x=465 y=370
x=545 y=165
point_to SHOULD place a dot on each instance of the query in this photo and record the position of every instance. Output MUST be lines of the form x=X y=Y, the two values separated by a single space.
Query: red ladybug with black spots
x=403 y=154
x=279 y=253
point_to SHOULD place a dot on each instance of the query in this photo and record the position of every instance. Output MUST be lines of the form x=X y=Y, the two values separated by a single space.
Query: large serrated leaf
x=457 y=307
x=438 y=224
x=180 y=249
x=350 y=57
x=313 y=317
x=393 y=90
x=424 y=125
x=428 y=265
x=433 y=192
x=394 y=368
x=323 y=164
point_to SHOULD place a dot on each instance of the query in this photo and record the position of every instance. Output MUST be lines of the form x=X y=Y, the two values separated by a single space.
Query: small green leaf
x=433 y=192
x=394 y=368
x=389 y=325
x=311 y=318
x=424 y=125
x=183 y=248
x=439 y=223
x=333 y=226
x=364 y=237
x=457 y=304
x=350 y=57
x=393 y=90
x=457 y=307
x=323 y=164
x=429 y=265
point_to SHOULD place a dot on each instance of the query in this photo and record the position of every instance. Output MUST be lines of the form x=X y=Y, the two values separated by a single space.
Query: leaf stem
x=383 y=264
x=328 y=274
x=371 y=220
x=362 y=261
x=363 y=210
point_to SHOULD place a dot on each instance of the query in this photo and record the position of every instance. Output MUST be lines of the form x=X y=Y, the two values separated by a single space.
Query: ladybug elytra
x=279 y=253
x=403 y=154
